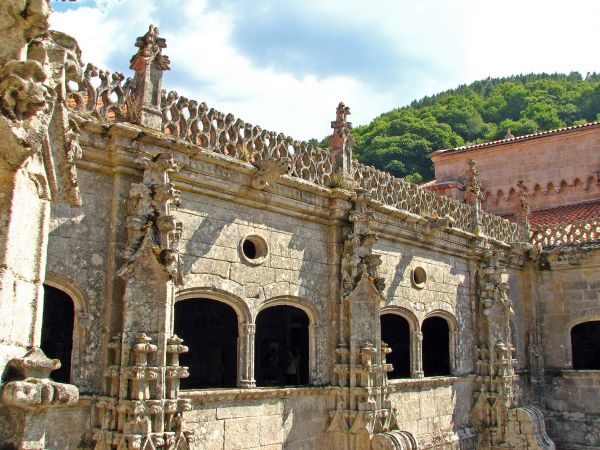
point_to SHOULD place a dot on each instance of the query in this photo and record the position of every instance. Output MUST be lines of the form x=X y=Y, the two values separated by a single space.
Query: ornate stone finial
x=341 y=141
x=150 y=51
x=473 y=194
x=148 y=64
x=523 y=211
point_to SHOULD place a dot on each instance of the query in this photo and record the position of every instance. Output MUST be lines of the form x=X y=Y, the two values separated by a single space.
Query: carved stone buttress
x=363 y=414
x=500 y=420
x=141 y=407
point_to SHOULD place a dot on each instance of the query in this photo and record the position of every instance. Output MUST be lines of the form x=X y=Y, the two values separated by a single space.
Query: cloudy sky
x=285 y=64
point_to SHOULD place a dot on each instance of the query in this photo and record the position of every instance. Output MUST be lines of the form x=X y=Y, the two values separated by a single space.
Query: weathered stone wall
x=436 y=410
x=78 y=264
x=259 y=419
x=566 y=292
x=446 y=293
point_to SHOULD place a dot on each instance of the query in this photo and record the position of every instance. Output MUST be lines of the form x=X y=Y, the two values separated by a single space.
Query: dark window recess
x=436 y=347
x=585 y=343
x=249 y=249
x=281 y=347
x=57 y=331
x=395 y=332
x=210 y=329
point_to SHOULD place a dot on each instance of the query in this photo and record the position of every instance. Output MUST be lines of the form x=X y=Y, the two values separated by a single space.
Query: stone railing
x=217 y=132
x=110 y=96
x=400 y=194
x=404 y=196
x=498 y=228
x=101 y=93
x=556 y=236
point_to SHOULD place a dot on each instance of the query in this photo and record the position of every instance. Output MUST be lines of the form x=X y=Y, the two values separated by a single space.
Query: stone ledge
x=212 y=395
x=397 y=384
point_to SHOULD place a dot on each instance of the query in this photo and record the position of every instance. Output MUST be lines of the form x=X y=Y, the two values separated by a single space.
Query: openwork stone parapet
x=565 y=235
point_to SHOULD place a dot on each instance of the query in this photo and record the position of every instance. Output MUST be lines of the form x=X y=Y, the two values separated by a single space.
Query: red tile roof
x=565 y=214
x=517 y=138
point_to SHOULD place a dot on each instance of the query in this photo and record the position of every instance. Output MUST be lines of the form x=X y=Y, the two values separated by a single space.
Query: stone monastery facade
x=176 y=278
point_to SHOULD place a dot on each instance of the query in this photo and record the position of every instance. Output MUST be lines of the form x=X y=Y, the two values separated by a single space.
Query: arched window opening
x=210 y=329
x=585 y=345
x=57 y=331
x=281 y=347
x=436 y=347
x=395 y=332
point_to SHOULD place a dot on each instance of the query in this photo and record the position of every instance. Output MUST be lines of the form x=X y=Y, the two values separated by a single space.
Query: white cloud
x=456 y=42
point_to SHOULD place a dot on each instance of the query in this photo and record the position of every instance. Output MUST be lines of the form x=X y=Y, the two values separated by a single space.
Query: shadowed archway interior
x=395 y=332
x=210 y=329
x=281 y=347
x=436 y=347
x=585 y=345
x=57 y=331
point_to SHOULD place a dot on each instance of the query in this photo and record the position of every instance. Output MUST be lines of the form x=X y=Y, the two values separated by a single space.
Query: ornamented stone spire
x=341 y=142
x=151 y=227
x=148 y=64
x=35 y=390
x=474 y=195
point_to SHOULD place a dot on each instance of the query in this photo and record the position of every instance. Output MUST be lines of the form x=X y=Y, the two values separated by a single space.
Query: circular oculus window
x=253 y=249
x=419 y=277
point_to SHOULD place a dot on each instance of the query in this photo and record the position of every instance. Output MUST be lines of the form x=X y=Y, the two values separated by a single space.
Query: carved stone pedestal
x=28 y=393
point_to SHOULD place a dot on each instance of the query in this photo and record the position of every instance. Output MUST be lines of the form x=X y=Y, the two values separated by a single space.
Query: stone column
x=247 y=333
x=452 y=351
x=416 y=367
x=312 y=352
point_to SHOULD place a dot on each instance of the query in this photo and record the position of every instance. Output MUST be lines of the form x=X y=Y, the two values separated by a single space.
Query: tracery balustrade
x=569 y=234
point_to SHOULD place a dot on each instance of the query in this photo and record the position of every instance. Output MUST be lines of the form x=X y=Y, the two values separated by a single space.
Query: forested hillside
x=401 y=141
